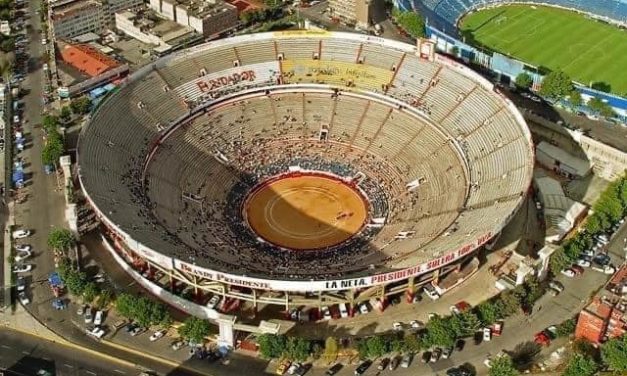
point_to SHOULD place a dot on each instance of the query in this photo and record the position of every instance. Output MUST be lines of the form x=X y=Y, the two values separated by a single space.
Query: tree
x=330 y=349
x=50 y=123
x=125 y=305
x=464 y=324
x=66 y=113
x=80 y=106
x=575 y=98
x=488 y=312
x=566 y=328
x=271 y=345
x=509 y=303
x=502 y=366
x=580 y=365
x=556 y=85
x=440 y=332
x=194 y=329
x=75 y=282
x=411 y=343
x=614 y=354
x=297 y=348
x=599 y=106
x=377 y=346
x=61 y=239
x=90 y=291
x=412 y=23
x=53 y=150
x=523 y=80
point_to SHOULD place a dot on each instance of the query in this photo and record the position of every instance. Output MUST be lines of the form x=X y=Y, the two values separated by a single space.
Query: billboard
x=330 y=285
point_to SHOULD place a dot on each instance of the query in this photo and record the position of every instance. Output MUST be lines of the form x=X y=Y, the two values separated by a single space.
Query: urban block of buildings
x=206 y=17
x=352 y=12
x=71 y=18
x=606 y=316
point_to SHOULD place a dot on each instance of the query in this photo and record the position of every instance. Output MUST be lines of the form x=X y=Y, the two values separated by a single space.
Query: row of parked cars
x=596 y=257
x=23 y=252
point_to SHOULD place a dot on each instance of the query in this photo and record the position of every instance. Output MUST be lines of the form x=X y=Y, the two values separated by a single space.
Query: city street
x=25 y=355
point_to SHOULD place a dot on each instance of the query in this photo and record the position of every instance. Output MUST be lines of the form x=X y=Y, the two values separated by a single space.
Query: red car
x=542 y=339
x=577 y=269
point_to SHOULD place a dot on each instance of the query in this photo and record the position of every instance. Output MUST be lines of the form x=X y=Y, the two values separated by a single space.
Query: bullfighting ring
x=302 y=168
x=306 y=212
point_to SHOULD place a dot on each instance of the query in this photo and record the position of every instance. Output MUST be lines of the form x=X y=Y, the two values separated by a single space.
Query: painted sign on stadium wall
x=233 y=78
x=268 y=284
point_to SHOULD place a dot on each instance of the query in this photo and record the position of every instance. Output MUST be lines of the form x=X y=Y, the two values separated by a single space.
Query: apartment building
x=207 y=18
x=352 y=12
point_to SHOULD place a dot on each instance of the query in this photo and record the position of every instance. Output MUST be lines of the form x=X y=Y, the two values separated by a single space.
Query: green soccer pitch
x=588 y=50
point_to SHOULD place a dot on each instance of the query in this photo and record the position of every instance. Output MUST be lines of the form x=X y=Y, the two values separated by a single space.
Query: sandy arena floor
x=306 y=212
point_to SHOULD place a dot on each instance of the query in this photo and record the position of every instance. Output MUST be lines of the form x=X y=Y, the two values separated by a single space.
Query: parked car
x=460 y=344
x=553 y=292
x=292 y=369
x=435 y=355
x=21 y=284
x=23 y=298
x=326 y=313
x=177 y=345
x=22 y=255
x=415 y=324
x=137 y=331
x=393 y=363
x=397 y=326
x=22 y=268
x=282 y=367
x=383 y=364
x=213 y=302
x=487 y=334
x=607 y=269
x=602 y=259
x=87 y=315
x=363 y=308
x=587 y=252
x=447 y=352
x=303 y=369
x=23 y=247
x=157 y=335
x=577 y=269
x=361 y=368
x=556 y=285
x=425 y=356
x=99 y=318
x=334 y=369
x=406 y=360
x=497 y=328
x=21 y=234
x=96 y=332
x=568 y=273
x=583 y=263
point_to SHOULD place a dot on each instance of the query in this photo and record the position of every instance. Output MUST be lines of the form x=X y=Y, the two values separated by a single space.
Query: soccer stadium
x=303 y=168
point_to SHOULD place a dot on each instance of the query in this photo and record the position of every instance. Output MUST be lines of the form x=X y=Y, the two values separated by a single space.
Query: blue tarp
x=55 y=279
x=18 y=176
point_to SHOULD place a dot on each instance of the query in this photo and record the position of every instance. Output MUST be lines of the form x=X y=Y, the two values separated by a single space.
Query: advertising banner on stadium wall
x=342 y=284
x=159 y=259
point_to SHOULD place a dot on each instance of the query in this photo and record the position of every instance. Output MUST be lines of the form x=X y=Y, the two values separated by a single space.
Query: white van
x=343 y=310
x=431 y=293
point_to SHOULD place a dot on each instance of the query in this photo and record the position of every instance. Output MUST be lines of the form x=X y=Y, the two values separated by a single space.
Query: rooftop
x=68 y=8
x=201 y=8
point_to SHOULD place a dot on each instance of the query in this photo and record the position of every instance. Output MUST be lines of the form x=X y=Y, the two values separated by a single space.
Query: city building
x=357 y=12
x=75 y=17
x=111 y=7
x=208 y=18
x=162 y=34
x=87 y=59
x=606 y=316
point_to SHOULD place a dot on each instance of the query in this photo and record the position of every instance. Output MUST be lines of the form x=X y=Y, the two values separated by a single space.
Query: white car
x=583 y=263
x=21 y=234
x=415 y=324
x=23 y=298
x=607 y=269
x=363 y=308
x=293 y=368
x=556 y=285
x=96 y=332
x=588 y=252
x=213 y=302
x=22 y=268
x=568 y=273
x=87 y=315
x=22 y=255
x=157 y=335
x=23 y=247
x=98 y=318
x=326 y=314
x=487 y=334
x=397 y=326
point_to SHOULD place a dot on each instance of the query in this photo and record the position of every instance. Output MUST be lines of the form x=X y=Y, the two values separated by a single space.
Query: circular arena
x=303 y=168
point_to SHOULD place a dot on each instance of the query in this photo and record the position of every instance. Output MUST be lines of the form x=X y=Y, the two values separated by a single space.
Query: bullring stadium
x=303 y=168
